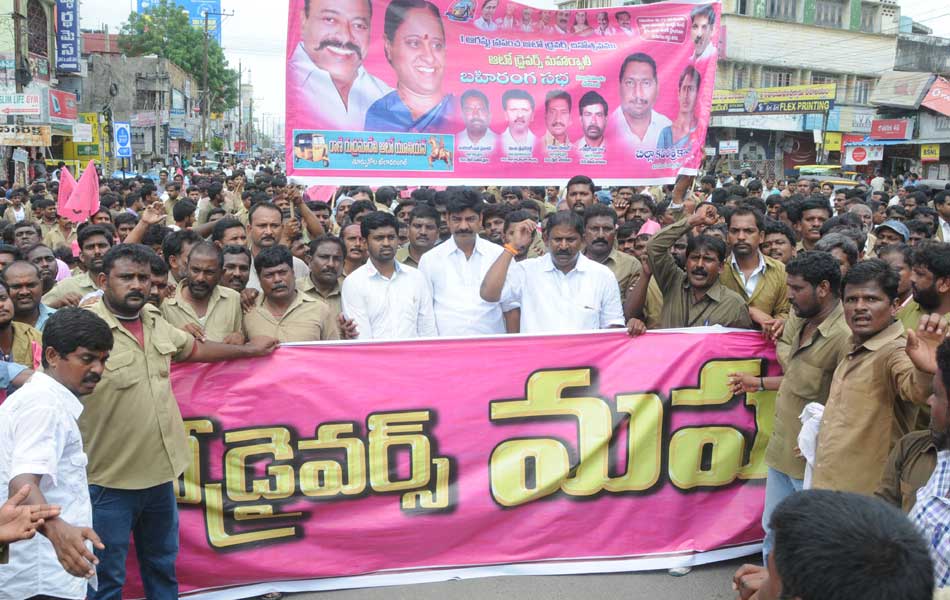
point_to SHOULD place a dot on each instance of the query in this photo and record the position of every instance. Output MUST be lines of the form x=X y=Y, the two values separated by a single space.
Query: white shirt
x=753 y=280
x=463 y=143
x=945 y=228
x=455 y=282
x=39 y=435
x=399 y=307
x=313 y=83
x=300 y=270
x=515 y=147
x=877 y=184
x=618 y=124
x=584 y=299
x=484 y=25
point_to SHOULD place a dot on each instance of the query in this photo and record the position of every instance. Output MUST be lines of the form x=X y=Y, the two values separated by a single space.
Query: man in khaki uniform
x=133 y=431
x=815 y=339
x=16 y=339
x=759 y=279
x=326 y=269
x=203 y=305
x=424 y=223
x=695 y=297
x=600 y=236
x=876 y=391
x=63 y=234
x=94 y=242
x=286 y=313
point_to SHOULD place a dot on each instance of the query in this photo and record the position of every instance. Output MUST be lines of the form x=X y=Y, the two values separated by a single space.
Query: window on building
x=787 y=10
x=822 y=78
x=37 y=28
x=869 y=18
x=776 y=78
x=743 y=6
x=829 y=13
x=740 y=78
x=862 y=90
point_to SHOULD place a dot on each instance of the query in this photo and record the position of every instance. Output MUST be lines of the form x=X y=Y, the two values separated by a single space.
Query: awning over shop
x=901 y=89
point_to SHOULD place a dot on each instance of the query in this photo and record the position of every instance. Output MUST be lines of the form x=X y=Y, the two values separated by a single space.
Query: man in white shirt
x=387 y=300
x=41 y=446
x=326 y=68
x=486 y=21
x=635 y=122
x=560 y=291
x=476 y=141
x=942 y=204
x=518 y=139
x=702 y=21
x=455 y=269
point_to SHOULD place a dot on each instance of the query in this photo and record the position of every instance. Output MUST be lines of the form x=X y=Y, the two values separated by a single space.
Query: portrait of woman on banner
x=415 y=48
x=678 y=133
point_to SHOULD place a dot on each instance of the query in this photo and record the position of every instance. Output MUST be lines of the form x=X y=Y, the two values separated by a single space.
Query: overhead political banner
x=794 y=99
x=459 y=91
x=509 y=454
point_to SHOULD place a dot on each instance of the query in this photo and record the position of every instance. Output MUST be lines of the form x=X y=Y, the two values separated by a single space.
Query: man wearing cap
x=891 y=232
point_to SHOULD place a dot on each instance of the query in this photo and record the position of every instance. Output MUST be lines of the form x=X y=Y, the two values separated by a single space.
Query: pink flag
x=321 y=192
x=66 y=186
x=84 y=199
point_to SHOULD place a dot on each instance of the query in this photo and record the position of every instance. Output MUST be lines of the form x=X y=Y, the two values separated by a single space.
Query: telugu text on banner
x=345 y=460
x=410 y=91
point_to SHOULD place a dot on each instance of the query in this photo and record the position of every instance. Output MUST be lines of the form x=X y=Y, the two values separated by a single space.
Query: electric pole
x=205 y=92
x=240 y=101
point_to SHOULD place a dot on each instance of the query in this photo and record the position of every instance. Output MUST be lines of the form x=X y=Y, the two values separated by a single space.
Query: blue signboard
x=123 y=140
x=197 y=9
x=67 y=36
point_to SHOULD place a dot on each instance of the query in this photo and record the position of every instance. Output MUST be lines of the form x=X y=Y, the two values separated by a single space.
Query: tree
x=165 y=30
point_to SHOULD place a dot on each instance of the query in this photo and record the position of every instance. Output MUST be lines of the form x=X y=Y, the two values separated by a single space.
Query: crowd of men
x=853 y=286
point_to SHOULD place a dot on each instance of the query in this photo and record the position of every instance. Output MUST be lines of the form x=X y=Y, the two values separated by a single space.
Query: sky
x=256 y=36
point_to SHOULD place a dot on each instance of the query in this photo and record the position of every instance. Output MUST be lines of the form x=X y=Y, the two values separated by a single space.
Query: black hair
x=326 y=239
x=934 y=256
x=873 y=270
x=273 y=256
x=159 y=268
x=564 y=217
x=207 y=249
x=217 y=231
x=557 y=95
x=384 y=195
x=70 y=328
x=397 y=12
x=515 y=94
x=175 y=242
x=377 y=220
x=706 y=242
x=941 y=197
x=516 y=216
x=235 y=249
x=182 y=210
x=599 y=210
x=640 y=57
x=464 y=199
x=812 y=203
x=495 y=210
x=512 y=189
x=915 y=226
x=156 y=234
x=423 y=195
x=473 y=93
x=627 y=229
x=267 y=205
x=425 y=211
x=589 y=99
x=844 y=545
x=137 y=253
x=745 y=211
x=93 y=230
x=581 y=180
x=705 y=10
x=361 y=206
x=903 y=249
x=125 y=218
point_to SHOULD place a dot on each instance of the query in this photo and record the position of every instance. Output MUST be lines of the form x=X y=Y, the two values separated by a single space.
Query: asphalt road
x=707 y=582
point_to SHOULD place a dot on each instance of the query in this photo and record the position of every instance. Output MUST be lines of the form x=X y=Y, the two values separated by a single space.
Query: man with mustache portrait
x=518 y=139
x=476 y=139
x=702 y=20
x=695 y=297
x=557 y=119
x=634 y=121
x=326 y=68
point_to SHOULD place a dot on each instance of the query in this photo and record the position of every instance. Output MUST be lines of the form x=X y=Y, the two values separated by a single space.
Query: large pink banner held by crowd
x=493 y=91
x=354 y=464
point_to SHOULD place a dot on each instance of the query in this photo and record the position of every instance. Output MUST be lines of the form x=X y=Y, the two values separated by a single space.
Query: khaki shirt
x=909 y=467
x=10 y=216
x=170 y=209
x=718 y=306
x=873 y=402
x=222 y=318
x=771 y=291
x=808 y=367
x=403 y=256
x=334 y=299
x=626 y=270
x=22 y=349
x=537 y=247
x=77 y=284
x=54 y=238
x=653 y=308
x=131 y=426
x=911 y=313
x=306 y=320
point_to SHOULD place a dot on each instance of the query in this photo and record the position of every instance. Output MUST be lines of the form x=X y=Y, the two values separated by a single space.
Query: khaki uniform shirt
x=22 y=348
x=873 y=402
x=909 y=467
x=808 y=367
x=653 y=308
x=626 y=270
x=77 y=284
x=10 y=216
x=910 y=315
x=306 y=320
x=771 y=291
x=222 y=318
x=170 y=209
x=131 y=426
x=403 y=256
x=54 y=238
x=334 y=299
x=718 y=306
x=537 y=247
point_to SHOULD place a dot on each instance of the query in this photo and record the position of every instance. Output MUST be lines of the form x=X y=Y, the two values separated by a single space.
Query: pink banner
x=474 y=91
x=346 y=459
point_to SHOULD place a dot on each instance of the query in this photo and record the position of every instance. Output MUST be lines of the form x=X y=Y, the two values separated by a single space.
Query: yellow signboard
x=25 y=135
x=793 y=99
x=929 y=152
x=832 y=141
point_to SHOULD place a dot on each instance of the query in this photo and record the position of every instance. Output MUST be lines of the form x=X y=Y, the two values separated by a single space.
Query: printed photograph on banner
x=475 y=90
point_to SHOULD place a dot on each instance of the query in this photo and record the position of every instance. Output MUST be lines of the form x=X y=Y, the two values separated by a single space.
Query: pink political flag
x=66 y=186
x=84 y=199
